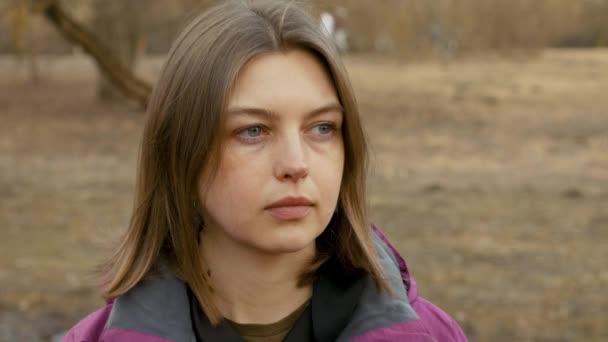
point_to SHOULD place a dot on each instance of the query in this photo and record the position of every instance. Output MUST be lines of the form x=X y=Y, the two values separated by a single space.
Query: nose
x=290 y=163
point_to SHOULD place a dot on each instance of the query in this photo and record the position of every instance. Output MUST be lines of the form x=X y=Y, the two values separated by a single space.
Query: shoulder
x=439 y=325
x=154 y=310
x=89 y=328
x=95 y=327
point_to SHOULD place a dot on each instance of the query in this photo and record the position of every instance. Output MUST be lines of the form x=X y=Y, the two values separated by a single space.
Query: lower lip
x=289 y=213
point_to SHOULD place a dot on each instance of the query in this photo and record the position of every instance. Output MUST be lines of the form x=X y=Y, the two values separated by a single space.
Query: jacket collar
x=160 y=306
x=377 y=310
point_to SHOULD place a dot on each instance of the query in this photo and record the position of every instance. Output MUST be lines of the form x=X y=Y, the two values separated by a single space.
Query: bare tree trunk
x=20 y=16
x=119 y=74
x=117 y=24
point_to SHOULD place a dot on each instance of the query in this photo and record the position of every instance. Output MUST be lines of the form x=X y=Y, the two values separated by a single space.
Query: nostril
x=295 y=174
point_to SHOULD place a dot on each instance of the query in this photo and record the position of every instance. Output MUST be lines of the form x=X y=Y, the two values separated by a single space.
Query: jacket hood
x=159 y=306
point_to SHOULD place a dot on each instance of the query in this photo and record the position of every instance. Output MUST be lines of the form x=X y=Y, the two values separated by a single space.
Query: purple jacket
x=158 y=311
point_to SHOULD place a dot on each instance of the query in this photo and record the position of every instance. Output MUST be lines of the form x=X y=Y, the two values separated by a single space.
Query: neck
x=253 y=287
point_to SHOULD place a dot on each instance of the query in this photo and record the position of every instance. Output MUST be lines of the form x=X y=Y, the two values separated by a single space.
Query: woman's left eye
x=324 y=128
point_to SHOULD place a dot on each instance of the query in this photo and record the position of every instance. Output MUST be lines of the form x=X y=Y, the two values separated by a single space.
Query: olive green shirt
x=273 y=332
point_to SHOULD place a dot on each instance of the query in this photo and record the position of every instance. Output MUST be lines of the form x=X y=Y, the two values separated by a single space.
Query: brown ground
x=490 y=175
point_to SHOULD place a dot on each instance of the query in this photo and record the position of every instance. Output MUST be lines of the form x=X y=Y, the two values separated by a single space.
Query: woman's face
x=282 y=156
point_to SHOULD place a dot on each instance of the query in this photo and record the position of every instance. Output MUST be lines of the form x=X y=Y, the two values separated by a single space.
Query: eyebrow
x=332 y=107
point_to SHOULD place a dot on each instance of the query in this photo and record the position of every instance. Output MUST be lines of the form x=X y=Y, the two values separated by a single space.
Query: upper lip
x=290 y=201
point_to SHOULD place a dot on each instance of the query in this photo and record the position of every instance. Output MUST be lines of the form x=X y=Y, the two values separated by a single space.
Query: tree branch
x=119 y=74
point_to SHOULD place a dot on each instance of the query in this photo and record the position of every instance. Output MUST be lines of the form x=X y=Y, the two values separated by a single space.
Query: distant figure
x=250 y=218
x=334 y=28
x=328 y=23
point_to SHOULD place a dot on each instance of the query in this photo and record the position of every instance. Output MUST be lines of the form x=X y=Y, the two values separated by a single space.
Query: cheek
x=329 y=173
x=233 y=193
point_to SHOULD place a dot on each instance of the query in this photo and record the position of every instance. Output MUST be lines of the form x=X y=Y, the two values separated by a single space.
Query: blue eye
x=325 y=128
x=253 y=131
x=251 y=134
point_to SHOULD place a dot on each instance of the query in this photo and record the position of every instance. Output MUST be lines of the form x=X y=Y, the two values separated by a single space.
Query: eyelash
x=241 y=133
x=247 y=139
x=331 y=126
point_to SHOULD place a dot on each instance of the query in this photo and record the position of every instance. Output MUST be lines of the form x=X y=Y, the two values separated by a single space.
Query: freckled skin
x=288 y=153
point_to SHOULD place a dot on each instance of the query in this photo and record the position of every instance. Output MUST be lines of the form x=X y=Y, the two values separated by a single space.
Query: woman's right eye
x=253 y=131
x=250 y=134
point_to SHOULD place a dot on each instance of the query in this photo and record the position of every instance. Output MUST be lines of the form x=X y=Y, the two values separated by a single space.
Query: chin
x=290 y=240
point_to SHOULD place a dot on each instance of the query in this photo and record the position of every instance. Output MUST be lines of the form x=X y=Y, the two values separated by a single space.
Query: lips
x=290 y=208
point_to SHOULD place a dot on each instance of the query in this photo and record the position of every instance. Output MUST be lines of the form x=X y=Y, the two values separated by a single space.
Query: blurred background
x=488 y=121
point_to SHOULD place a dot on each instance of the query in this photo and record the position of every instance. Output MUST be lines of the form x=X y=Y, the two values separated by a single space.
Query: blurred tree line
x=451 y=27
x=447 y=28
x=389 y=26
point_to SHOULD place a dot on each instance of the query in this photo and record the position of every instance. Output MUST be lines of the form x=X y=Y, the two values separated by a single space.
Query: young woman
x=249 y=221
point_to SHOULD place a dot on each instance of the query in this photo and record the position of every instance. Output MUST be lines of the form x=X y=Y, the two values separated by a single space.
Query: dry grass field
x=490 y=174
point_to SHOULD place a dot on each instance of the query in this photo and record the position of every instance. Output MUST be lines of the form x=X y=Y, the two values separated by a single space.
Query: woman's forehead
x=282 y=80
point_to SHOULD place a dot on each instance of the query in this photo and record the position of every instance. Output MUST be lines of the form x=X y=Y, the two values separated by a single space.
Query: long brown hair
x=179 y=146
